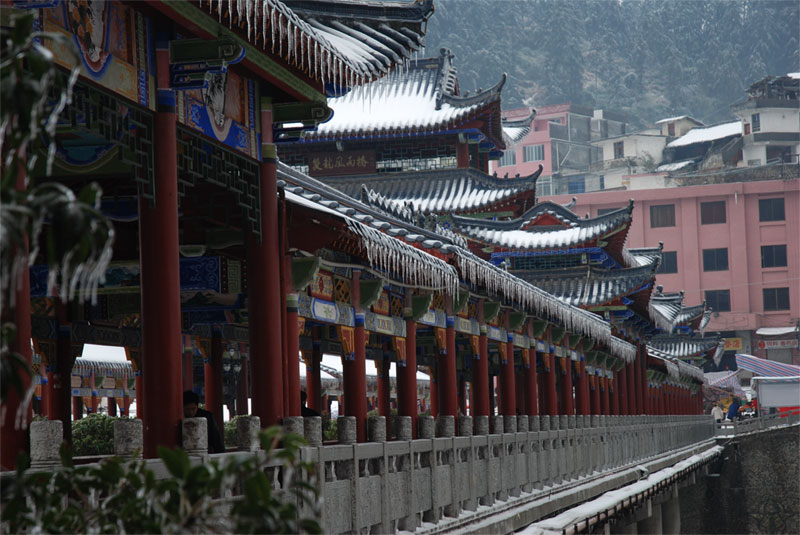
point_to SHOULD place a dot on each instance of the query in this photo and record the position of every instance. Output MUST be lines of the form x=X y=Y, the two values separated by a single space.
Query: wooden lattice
x=397 y=306
x=438 y=301
x=341 y=291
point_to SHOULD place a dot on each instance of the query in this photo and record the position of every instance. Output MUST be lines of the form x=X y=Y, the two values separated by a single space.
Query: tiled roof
x=442 y=190
x=589 y=285
x=515 y=130
x=422 y=97
x=668 y=311
x=642 y=256
x=510 y=234
x=347 y=42
x=379 y=229
x=683 y=347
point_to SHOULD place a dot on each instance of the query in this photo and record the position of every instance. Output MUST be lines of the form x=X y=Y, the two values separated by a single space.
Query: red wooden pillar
x=582 y=405
x=622 y=386
x=264 y=288
x=480 y=371
x=313 y=377
x=531 y=381
x=508 y=406
x=551 y=369
x=15 y=437
x=433 y=405
x=567 y=400
x=162 y=403
x=605 y=403
x=596 y=397
x=384 y=393
x=407 y=373
x=354 y=370
x=641 y=364
x=448 y=404
x=613 y=384
x=212 y=366
x=48 y=395
x=631 y=397
x=462 y=155
x=95 y=397
x=292 y=344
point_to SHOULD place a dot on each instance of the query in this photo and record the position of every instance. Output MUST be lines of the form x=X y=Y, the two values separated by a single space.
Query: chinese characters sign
x=341 y=163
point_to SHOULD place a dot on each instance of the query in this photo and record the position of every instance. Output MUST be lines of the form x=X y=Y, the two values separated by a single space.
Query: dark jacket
x=733 y=411
x=215 y=442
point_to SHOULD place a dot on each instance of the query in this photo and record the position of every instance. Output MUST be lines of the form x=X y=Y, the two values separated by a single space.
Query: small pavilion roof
x=564 y=228
x=643 y=255
x=515 y=130
x=684 y=346
x=347 y=42
x=424 y=97
x=590 y=285
x=84 y=366
x=668 y=311
x=443 y=190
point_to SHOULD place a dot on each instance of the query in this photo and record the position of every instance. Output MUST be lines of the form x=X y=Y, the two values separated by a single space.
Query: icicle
x=272 y=27
x=290 y=42
x=280 y=34
x=249 y=15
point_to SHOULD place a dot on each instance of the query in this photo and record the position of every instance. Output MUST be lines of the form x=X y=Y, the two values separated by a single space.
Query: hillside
x=649 y=58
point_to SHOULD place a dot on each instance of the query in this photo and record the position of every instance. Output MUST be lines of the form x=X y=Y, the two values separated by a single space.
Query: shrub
x=121 y=496
x=93 y=435
x=330 y=427
x=230 y=432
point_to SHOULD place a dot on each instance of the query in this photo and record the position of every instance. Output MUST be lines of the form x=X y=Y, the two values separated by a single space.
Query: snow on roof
x=522 y=239
x=674 y=166
x=776 y=331
x=398 y=101
x=794 y=75
x=670 y=119
x=708 y=133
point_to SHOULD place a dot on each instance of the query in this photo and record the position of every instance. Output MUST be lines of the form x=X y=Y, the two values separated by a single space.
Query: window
x=776 y=298
x=715 y=259
x=533 y=153
x=712 y=212
x=662 y=215
x=576 y=184
x=755 y=119
x=509 y=158
x=773 y=256
x=619 y=150
x=669 y=262
x=719 y=300
x=603 y=211
x=771 y=210
x=671 y=129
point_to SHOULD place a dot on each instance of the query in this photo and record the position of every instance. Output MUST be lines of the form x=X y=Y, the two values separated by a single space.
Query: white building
x=771 y=121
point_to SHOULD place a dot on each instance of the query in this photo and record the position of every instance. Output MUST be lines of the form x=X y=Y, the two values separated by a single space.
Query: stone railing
x=384 y=486
x=749 y=425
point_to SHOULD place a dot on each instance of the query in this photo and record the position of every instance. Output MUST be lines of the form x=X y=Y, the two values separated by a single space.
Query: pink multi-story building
x=559 y=138
x=736 y=245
